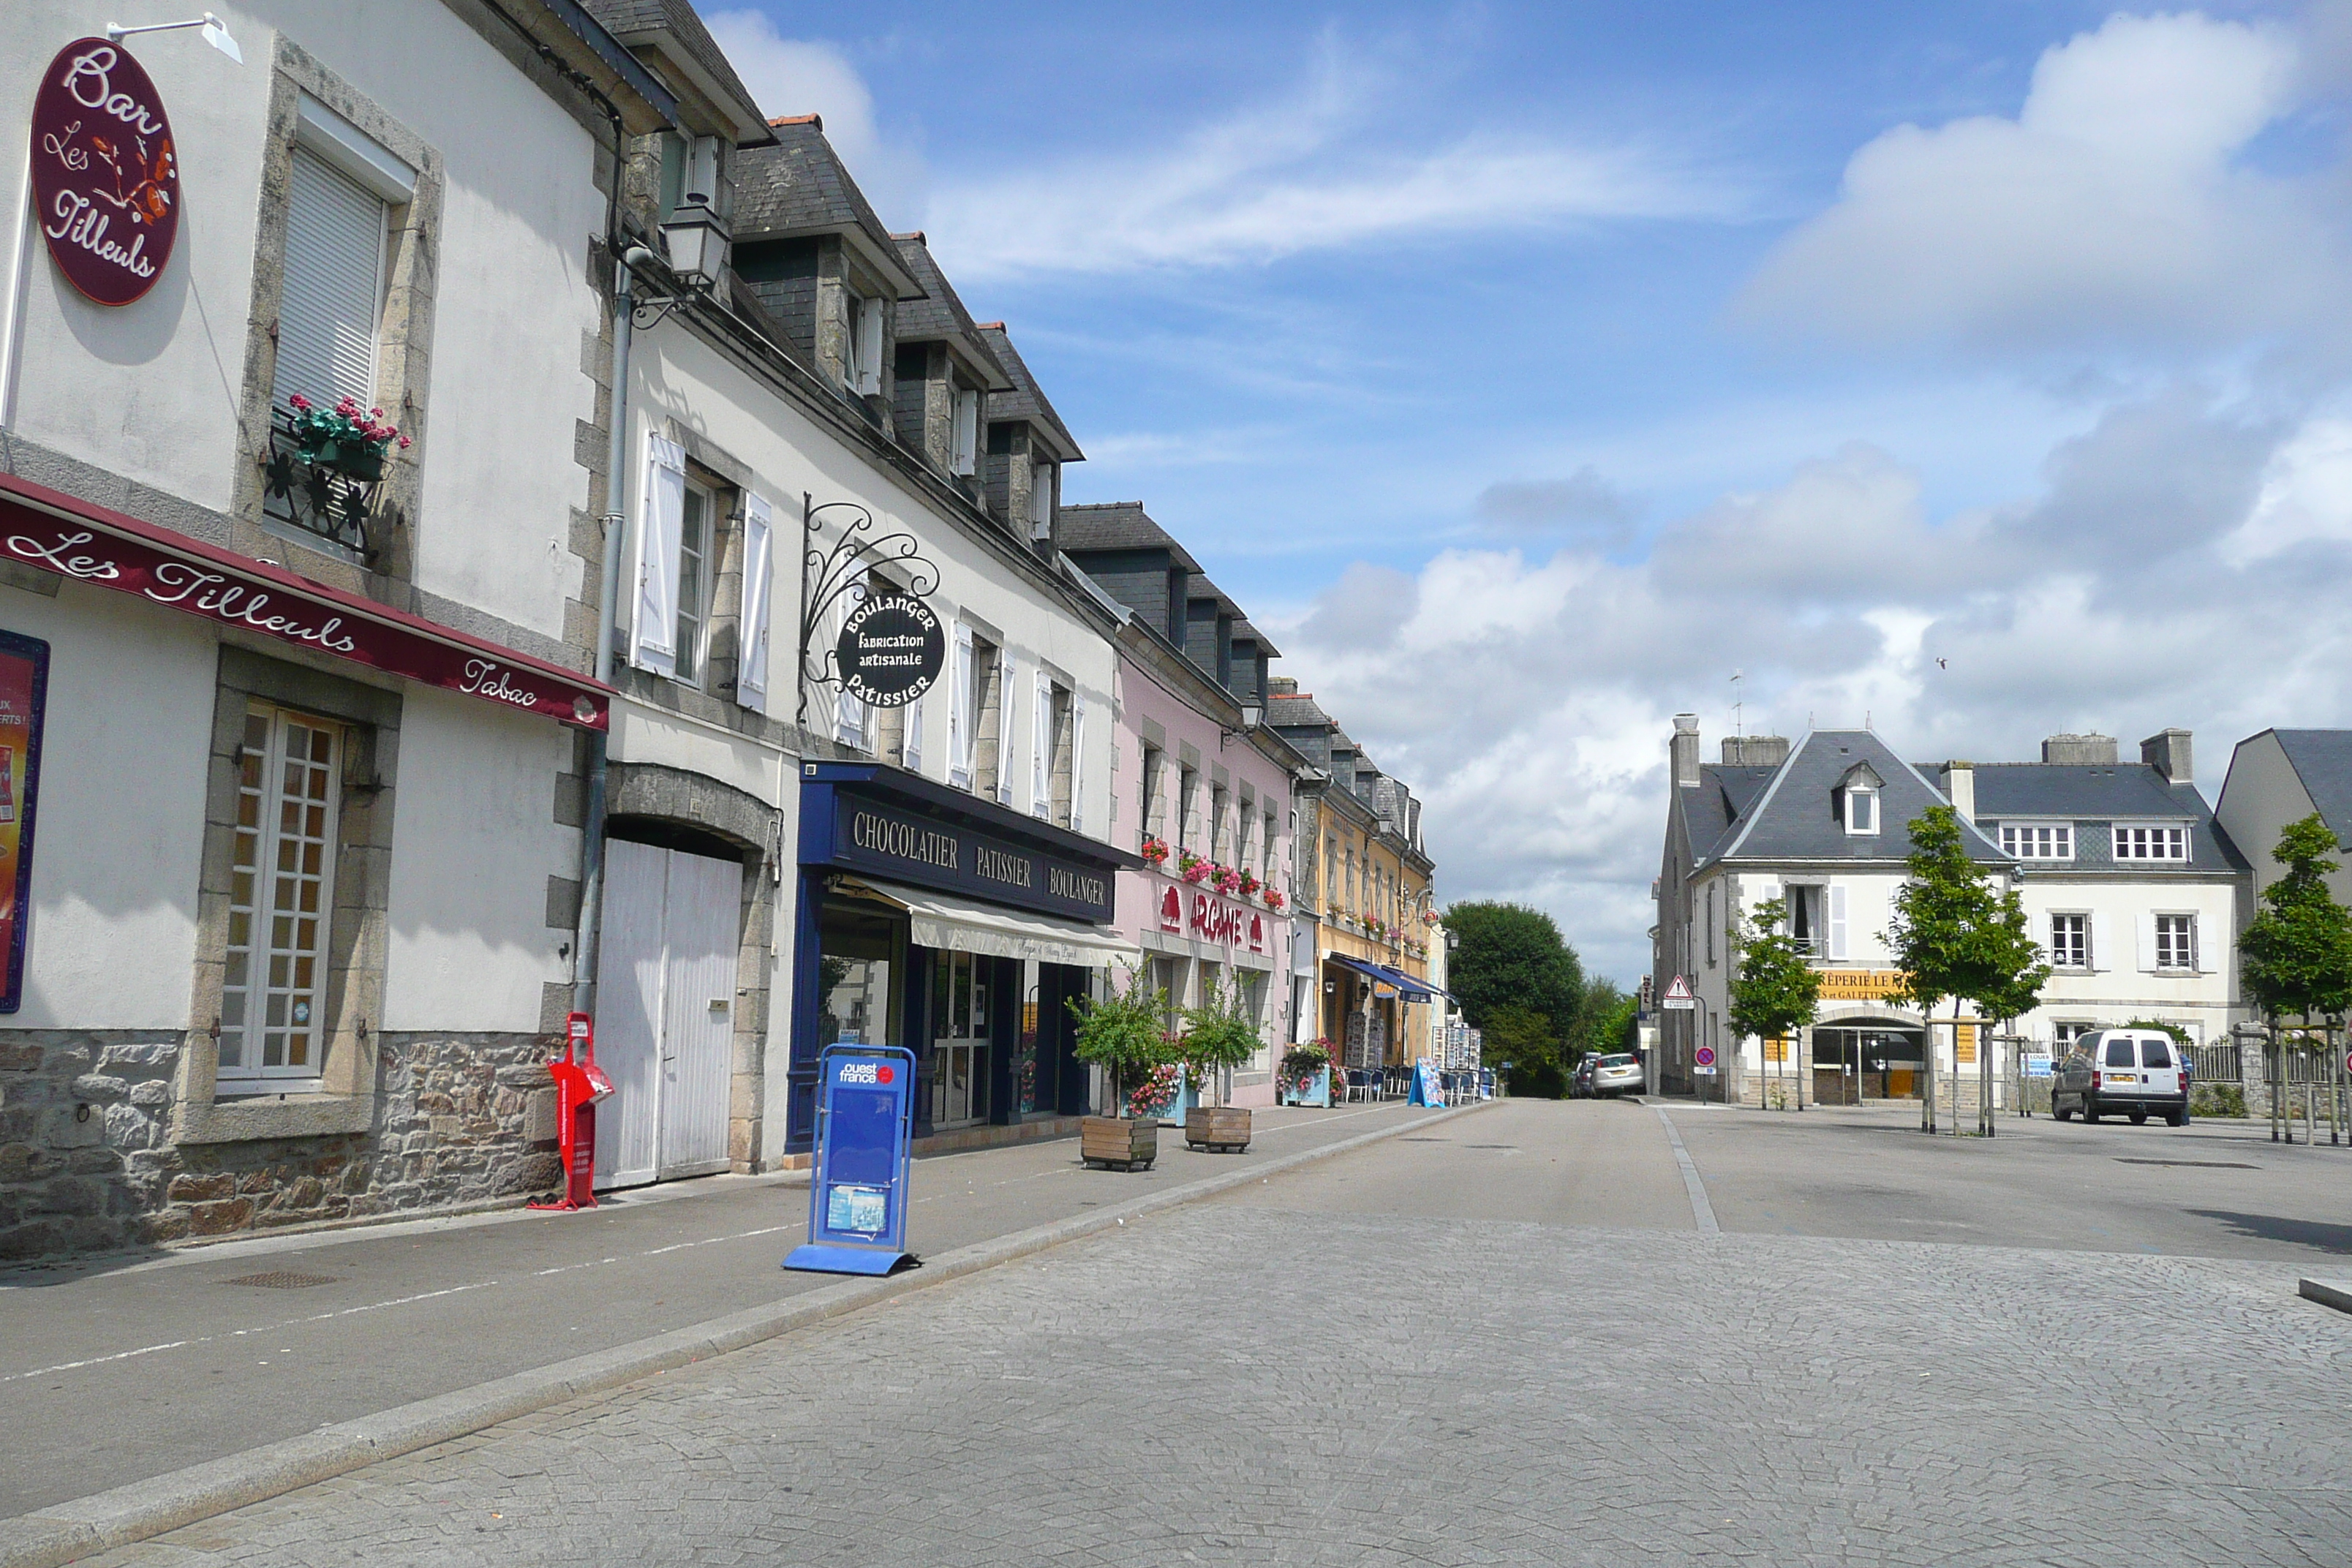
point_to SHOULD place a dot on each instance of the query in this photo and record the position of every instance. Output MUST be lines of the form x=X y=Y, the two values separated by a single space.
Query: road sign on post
x=1702 y=1058
x=857 y=1182
x=1679 y=997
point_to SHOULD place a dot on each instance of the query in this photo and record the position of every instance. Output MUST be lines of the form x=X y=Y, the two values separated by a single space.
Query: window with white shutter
x=759 y=574
x=964 y=450
x=913 y=736
x=1004 y=700
x=330 y=301
x=962 y=711
x=1040 y=502
x=1041 y=731
x=661 y=520
x=849 y=713
x=1837 y=919
x=1078 y=765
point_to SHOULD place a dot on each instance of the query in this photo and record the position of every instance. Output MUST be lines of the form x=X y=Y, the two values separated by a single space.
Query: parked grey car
x=1619 y=1072
x=2121 y=1072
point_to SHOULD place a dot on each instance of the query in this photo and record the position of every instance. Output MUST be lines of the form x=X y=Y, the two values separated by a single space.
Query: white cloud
x=794 y=76
x=1321 y=171
x=1527 y=701
x=2117 y=208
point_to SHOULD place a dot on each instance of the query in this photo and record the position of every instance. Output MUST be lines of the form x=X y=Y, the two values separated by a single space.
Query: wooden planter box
x=1225 y=1130
x=1124 y=1142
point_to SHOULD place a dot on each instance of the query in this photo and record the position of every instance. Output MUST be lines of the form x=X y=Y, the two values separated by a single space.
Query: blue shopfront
x=931 y=919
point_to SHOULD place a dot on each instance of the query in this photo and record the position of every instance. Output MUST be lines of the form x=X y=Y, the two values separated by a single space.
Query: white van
x=2121 y=1072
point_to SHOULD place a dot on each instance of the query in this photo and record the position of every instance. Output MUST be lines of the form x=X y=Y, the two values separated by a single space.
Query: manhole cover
x=2200 y=1164
x=281 y=1280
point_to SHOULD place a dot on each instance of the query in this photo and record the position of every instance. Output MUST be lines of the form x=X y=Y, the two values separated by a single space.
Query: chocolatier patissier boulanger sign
x=106 y=178
x=48 y=531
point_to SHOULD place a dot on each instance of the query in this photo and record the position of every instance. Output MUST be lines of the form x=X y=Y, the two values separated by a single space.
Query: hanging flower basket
x=1229 y=882
x=1155 y=850
x=1249 y=884
x=1274 y=899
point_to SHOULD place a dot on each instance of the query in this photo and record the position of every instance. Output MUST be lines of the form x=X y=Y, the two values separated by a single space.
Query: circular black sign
x=891 y=651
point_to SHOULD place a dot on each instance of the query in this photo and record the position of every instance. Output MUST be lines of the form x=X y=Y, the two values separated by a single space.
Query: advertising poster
x=23 y=687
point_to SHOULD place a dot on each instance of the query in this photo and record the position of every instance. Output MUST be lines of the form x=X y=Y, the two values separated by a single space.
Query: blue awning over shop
x=1408 y=989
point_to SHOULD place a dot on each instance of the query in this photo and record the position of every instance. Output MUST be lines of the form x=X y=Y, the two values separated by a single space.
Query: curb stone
x=2336 y=1293
x=141 y=1510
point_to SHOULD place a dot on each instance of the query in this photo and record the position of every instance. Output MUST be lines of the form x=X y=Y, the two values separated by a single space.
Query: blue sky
x=1529 y=369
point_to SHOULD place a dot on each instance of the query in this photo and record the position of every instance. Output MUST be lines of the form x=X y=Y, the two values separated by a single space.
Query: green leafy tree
x=1774 y=991
x=1524 y=1038
x=1520 y=983
x=1219 y=1034
x=1601 y=1020
x=1953 y=935
x=1122 y=1034
x=2296 y=953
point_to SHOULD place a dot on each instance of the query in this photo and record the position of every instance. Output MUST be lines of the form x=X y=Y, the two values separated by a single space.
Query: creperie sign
x=1205 y=917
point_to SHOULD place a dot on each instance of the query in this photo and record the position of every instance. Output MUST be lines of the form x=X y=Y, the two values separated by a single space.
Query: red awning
x=72 y=538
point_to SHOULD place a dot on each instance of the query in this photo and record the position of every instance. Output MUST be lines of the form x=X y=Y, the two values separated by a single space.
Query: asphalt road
x=120 y=1369
x=1508 y=1343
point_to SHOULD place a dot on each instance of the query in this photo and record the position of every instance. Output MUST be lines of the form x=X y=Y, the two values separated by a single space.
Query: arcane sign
x=890 y=650
x=106 y=178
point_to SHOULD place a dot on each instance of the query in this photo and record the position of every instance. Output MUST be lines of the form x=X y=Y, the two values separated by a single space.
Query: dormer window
x=1861 y=811
x=1856 y=799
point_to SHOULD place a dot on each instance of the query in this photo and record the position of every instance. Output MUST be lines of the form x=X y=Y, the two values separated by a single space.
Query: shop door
x=665 y=1012
x=960 y=1042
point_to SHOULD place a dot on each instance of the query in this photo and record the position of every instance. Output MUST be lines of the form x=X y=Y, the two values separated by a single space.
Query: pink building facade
x=1197 y=773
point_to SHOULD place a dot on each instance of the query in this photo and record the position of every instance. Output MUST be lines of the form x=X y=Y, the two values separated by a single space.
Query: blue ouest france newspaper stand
x=857 y=1188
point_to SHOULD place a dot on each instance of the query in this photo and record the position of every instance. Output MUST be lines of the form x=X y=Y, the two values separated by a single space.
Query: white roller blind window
x=661 y=519
x=332 y=293
x=759 y=573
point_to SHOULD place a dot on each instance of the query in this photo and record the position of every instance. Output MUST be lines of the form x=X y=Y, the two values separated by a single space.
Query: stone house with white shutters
x=2133 y=891
x=807 y=421
x=296 y=726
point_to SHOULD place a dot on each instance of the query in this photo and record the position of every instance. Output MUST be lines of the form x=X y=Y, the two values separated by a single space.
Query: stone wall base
x=88 y=1160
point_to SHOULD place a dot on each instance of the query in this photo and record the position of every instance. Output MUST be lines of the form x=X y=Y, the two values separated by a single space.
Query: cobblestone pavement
x=1242 y=1383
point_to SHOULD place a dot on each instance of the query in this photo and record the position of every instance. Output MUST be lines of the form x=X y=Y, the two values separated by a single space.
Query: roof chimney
x=1755 y=750
x=1684 y=749
x=2167 y=752
x=1961 y=785
x=2080 y=751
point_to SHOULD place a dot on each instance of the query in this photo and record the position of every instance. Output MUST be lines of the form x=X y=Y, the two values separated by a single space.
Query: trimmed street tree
x=1774 y=991
x=2296 y=954
x=1953 y=935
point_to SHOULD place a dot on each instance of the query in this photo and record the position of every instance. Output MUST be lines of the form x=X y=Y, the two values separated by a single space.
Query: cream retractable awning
x=960 y=925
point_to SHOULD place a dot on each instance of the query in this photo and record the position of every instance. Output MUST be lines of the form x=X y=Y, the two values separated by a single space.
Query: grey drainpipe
x=591 y=932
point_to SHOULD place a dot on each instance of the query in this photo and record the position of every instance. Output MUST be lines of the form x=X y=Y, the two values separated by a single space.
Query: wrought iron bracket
x=830 y=573
x=645 y=315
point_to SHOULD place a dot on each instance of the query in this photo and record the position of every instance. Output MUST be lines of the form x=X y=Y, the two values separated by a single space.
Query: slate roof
x=2127 y=792
x=2322 y=760
x=1026 y=402
x=940 y=316
x=1794 y=818
x=799 y=186
x=1118 y=525
x=630 y=18
x=1243 y=630
x=1724 y=796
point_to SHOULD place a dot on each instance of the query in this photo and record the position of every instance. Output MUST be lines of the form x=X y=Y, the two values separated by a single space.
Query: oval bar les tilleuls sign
x=106 y=178
x=891 y=649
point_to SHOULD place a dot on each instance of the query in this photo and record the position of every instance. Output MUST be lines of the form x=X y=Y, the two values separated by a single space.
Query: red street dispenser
x=580 y=1083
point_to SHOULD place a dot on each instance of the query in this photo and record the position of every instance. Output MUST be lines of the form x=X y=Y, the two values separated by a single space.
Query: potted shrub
x=1122 y=1034
x=1219 y=1034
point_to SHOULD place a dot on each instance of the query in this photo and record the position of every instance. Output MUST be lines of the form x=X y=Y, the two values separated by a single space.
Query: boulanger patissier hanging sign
x=891 y=649
x=105 y=179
